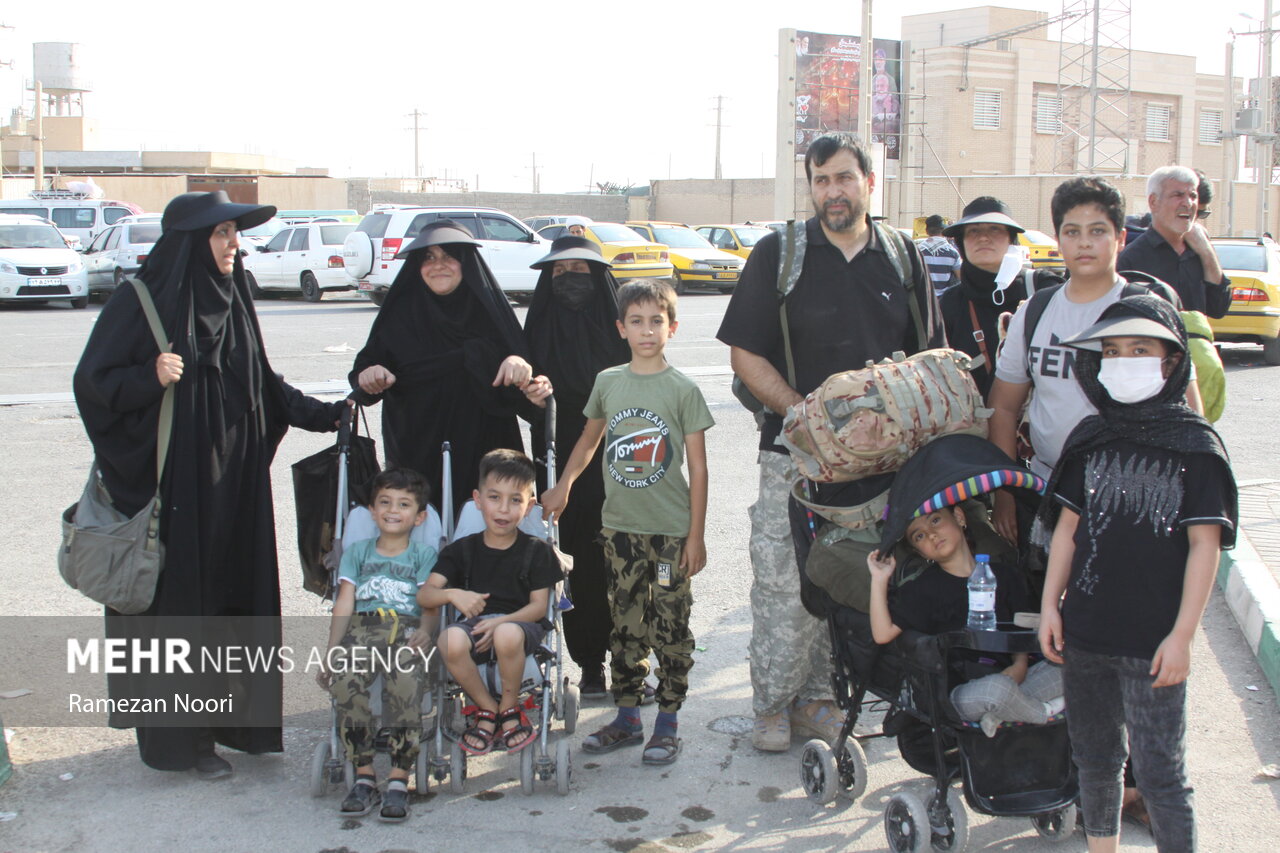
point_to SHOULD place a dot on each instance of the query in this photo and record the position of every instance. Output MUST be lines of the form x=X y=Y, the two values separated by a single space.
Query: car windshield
x=148 y=232
x=751 y=236
x=1243 y=257
x=1038 y=238
x=31 y=237
x=333 y=235
x=609 y=233
x=268 y=229
x=680 y=238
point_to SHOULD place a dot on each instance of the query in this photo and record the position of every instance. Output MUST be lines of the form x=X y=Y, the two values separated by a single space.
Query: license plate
x=44 y=282
x=726 y=275
x=364 y=285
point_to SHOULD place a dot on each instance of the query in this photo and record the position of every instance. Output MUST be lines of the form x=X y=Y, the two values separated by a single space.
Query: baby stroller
x=545 y=690
x=1024 y=770
x=353 y=455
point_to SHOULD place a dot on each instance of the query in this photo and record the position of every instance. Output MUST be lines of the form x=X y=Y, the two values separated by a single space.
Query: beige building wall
x=303 y=192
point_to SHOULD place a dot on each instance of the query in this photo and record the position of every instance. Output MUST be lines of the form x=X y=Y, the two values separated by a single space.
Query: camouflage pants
x=650 y=613
x=790 y=649
x=370 y=641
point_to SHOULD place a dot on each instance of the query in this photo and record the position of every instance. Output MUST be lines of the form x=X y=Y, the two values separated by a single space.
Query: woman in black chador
x=572 y=332
x=447 y=358
x=230 y=412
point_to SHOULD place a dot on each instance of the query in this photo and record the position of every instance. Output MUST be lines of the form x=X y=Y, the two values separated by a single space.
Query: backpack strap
x=790 y=265
x=1036 y=304
x=896 y=249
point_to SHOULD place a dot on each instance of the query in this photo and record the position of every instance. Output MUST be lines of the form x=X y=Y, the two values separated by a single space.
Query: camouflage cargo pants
x=372 y=645
x=790 y=649
x=650 y=600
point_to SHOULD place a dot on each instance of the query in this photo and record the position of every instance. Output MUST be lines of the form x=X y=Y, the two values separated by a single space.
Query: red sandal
x=518 y=736
x=473 y=734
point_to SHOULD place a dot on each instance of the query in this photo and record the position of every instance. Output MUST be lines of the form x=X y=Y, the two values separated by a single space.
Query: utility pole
x=8 y=63
x=1267 y=150
x=38 y=137
x=417 y=170
x=719 y=125
x=865 y=69
x=535 y=172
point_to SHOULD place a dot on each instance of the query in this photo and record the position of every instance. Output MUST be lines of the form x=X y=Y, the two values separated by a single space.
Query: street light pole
x=1267 y=151
x=865 y=78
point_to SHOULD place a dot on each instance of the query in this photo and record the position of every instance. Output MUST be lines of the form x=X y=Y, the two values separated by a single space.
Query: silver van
x=74 y=214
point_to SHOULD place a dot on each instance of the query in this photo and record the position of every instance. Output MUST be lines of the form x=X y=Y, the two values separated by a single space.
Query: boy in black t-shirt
x=499 y=582
x=1143 y=499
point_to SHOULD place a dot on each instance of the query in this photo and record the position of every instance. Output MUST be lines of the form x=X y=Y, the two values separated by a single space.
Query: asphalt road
x=720 y=795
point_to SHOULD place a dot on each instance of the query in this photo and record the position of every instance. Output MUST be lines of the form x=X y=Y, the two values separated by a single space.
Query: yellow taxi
x=1042 y=248
x=697 y=262
x=632 y=256
x=1254 y=315
x=735 y=239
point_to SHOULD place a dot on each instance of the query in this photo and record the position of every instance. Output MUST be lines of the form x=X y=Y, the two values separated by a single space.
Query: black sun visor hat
x=1122 y=327
x=193 y=211
x=443 y=232
x=979 y=211
x=571 y=249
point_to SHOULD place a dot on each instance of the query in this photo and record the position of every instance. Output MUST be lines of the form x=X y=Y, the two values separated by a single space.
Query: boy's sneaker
x=820 y=719
x=592 y=685
x=361 y=799
x=772 y=733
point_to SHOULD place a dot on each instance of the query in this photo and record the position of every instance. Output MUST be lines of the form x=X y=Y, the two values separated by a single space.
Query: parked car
x=260 y=235
x=75 y=215
x=537 y=223
x=506 y=244
x=631 y=255
x=37 y=264
x=735 y=239
x=696 y=261
x=1042 y=250
x=304 y=259
x=1253 y=266
x=117 y=253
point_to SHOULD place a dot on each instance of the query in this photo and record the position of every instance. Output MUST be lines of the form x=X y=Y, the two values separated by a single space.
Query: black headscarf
x=573 y=339
x=1164 y=421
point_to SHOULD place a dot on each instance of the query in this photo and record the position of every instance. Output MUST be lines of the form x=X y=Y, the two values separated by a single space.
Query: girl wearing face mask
x=1140 y=504
x=572 y=337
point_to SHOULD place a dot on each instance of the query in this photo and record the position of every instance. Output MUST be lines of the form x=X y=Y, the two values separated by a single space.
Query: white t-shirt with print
x=1058 y=403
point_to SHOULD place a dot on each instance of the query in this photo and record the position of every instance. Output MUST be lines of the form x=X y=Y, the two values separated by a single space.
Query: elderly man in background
x=1176 y=248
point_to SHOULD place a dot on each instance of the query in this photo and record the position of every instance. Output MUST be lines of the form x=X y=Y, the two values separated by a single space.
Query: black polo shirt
x=841 y=313
x=1152 y=254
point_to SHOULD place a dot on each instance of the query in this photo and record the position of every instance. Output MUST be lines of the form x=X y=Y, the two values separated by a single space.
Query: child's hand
x=881 y=570
x=324 y=678
x=1172 y=662
x=693 y=557
x=482 y=634
x=469 y=603
x=553 y=501
x=537 y=390
x=1051 y=634
x=419 y=639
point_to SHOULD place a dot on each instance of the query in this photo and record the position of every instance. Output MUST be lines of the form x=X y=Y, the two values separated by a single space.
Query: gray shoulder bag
x=111 y=558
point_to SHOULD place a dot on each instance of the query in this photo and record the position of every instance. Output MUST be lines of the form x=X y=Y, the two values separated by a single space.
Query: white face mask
x=1131 y=380
x=1010 y=266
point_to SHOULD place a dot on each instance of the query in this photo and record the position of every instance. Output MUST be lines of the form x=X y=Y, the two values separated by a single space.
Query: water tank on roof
x=57 y=67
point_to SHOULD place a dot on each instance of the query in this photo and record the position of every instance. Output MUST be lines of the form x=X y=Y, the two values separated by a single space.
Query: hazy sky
x=620 y=92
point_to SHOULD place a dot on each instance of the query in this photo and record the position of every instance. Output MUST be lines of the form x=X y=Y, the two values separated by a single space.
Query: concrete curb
x=1254 y=599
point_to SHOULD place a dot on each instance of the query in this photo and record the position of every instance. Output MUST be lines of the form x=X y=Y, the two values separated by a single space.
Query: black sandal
x=518 y=736
x=362 y=797
x=475 y=740
x=661 y=750
x=395 y=806
x=610 y=738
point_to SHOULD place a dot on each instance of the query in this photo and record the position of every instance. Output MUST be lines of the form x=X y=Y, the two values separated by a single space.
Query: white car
x=304 y=259
x=506 y=244
x=36 y=264
x=117 y=253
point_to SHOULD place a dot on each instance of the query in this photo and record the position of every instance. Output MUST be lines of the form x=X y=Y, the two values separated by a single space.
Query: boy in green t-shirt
x=649 y=414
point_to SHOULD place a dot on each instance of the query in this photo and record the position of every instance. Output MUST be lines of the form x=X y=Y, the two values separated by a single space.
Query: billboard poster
x=827 y=83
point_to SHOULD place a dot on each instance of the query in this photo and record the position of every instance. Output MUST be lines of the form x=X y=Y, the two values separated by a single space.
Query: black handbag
x=109 y=557
x=317 y=481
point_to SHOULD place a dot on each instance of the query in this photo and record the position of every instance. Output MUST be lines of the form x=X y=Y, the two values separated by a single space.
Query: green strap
x=785 y=277
x=164 y=433
x=901 y=262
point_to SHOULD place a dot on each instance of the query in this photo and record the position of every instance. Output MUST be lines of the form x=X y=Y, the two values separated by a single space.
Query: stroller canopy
x=944 y=472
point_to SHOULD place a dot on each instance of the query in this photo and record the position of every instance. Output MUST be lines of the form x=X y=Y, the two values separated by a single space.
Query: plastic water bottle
x=982 y=596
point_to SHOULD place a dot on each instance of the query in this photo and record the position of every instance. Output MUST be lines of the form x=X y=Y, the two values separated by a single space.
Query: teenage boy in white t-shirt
x=1088 y=217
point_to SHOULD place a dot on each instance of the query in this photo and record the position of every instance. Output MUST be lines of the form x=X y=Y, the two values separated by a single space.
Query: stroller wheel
x=320 y=769
x=526 y=771
x=949 y=823
x=457 y=769
x=852 y=767
x=572 y=701
x=1056 y=826
x=564 y=767
x=906 y=824
x=818 y=773
x=422 y=771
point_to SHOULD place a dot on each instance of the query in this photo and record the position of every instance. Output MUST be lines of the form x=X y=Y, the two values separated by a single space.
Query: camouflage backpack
x=865 y=422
